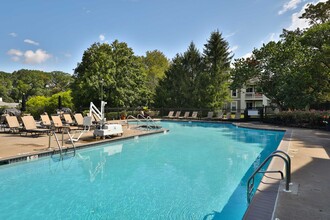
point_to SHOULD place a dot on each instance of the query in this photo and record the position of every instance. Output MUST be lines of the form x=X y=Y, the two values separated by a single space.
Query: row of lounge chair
x=29 y=125
x=178 y=113
x=194 y=115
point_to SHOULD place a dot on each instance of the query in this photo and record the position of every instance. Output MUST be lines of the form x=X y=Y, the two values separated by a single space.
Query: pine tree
x=214 y=82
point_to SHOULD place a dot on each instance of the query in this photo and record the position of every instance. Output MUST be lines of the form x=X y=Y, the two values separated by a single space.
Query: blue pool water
x=195 y=171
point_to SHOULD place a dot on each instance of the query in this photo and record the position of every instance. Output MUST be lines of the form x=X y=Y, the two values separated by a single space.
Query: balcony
x=253 y=96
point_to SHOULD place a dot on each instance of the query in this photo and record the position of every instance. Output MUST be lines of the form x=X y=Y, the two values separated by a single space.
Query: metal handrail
x=147 y=119
x=287 y=161
x=60 y=146
x=131 y=116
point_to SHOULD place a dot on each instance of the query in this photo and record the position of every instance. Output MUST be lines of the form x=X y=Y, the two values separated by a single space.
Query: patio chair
x=186 y=115
x=209 y=115
x=13 y=124
x=177 y=114
x=193 y=115
x=45 y=121
x=79 y=119
x=68 y=119
x=59 y=125
x=30 y=126
x=219 y=116
x=170 y=114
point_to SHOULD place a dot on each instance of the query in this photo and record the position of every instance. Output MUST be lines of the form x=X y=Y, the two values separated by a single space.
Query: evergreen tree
x=214 y=82
x=179 y=88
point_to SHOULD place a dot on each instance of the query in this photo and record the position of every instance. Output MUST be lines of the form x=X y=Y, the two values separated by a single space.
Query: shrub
x=38 y=104
x=305 y=119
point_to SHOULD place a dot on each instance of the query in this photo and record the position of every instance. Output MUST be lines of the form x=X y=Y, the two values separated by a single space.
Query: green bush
x=38 y=104
x=304 y=119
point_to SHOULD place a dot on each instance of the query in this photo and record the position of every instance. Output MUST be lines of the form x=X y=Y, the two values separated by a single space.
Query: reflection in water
x=89 y=162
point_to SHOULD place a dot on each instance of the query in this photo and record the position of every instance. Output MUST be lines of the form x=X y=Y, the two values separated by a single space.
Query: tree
x=30 y=83
x=59 y=81
x=6 y=86
x=317 y=14
x=179 y=86
x=156 y=64
x=111 y=73
x=294 y=72
x=168 y=93
x=215 y=79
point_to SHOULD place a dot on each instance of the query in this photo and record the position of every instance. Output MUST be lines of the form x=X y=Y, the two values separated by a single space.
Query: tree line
x=293 y=73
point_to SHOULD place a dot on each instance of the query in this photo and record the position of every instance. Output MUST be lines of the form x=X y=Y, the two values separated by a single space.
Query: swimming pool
x=195 y=171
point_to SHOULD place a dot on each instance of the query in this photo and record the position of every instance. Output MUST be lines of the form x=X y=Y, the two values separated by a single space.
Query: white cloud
x=39 y=56
x=273 y=37
x=247 y=55
x=14 y=52
x=229 y=35
x=102 y=37
x=15 y=58
x=232 y=49
x=29 y=56
x=28 y=41
x=292 y=4
x=67 y=55
x=13 y=34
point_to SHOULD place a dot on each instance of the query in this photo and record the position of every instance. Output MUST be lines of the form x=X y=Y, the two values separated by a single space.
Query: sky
x=52 y=35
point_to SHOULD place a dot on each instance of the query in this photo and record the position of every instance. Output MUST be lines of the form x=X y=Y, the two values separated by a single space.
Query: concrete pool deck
x=308 y=149
x=16 y=147
x=309 y=198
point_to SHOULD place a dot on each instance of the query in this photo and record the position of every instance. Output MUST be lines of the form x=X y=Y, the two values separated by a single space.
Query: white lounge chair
x=170 y=114
x=193 y=115
x=209 y=115
x=186 y=115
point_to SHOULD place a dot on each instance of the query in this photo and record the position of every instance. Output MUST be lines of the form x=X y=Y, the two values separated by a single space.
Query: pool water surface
x=195 y=171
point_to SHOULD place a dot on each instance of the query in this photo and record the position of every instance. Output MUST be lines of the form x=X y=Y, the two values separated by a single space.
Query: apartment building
x=247 y=97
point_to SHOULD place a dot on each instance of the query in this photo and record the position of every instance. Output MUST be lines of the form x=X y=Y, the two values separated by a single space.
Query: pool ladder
x=150 y=123
x=61 y=145
x=278 y=153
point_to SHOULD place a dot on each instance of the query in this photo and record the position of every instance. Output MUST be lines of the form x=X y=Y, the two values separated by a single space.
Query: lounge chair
x=228 y=115
x=170 y=114
x=68 y=119
x=45 y=121
x=186 y=115
x=30 y=126
x=59 y=125
x=209 y=115
x=13 y=123
x=193 y=115
x=79 y=119
x=177 y=114
x=219 y=116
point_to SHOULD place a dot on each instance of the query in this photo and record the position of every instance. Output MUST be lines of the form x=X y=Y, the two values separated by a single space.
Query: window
x=233 y=106
x=249 y=105
x=250 y=89
x=234 y=93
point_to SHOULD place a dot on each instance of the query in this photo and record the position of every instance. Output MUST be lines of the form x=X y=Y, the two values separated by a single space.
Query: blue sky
x=52 y=35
